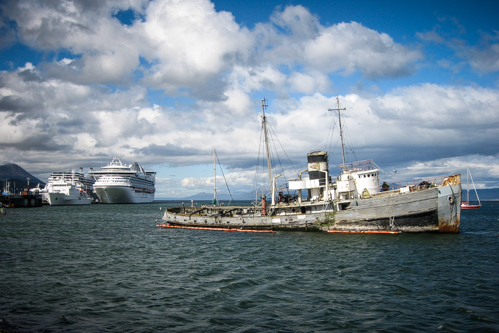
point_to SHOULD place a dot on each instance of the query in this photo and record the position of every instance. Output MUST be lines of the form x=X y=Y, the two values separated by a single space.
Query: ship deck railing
x=360 y=165
x=419 y=184
x=214 y=210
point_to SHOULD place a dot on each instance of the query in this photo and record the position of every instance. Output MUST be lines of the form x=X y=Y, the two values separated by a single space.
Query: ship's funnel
x=317 y=164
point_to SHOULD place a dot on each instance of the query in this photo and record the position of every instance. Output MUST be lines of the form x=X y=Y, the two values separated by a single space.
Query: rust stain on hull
x=449 y=227
x=452 y=180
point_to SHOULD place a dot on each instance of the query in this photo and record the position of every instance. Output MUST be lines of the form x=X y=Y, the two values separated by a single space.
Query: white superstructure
x=121 y=183
x=68 y=188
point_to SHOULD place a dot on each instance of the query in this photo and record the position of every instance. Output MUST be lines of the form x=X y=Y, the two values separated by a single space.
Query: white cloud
x=481 y=167
x=298 y=39
x=434 y=106
x=189 y=42
x=309 y=83
x=484 y=57
x=352 y=47
x=419 y=123
x=297 y=21
x=85 y=142
x=95 y=102
x=196 y=182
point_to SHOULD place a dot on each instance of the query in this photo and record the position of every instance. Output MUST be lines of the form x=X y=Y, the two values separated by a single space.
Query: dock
x=23 y=200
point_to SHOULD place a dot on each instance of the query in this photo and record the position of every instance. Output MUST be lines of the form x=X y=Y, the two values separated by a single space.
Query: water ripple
x=106 y=268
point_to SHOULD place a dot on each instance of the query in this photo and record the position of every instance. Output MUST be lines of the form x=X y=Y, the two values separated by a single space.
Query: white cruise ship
x=120 y=183
x=68 y=188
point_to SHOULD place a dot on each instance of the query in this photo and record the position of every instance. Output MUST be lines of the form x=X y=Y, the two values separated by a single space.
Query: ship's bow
x=449 y=204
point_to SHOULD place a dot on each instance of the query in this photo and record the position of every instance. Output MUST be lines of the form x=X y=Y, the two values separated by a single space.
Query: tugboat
x=352 y=202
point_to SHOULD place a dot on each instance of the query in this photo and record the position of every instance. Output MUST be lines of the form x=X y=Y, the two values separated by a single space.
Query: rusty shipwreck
x=351 y=202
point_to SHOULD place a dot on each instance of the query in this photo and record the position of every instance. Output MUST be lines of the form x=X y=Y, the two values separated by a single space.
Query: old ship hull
x=430 y=210
x=435 y=209
x=352 y=202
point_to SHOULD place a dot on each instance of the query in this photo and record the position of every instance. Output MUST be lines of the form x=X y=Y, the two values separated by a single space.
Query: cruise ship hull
x=118 y=183
x=122 y=195
x=67 y=188
x=61 y=199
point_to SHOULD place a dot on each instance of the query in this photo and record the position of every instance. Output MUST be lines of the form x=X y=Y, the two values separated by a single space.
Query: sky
x=165 y=82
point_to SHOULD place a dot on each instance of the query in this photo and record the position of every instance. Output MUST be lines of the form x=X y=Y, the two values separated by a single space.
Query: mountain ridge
x=17 y=177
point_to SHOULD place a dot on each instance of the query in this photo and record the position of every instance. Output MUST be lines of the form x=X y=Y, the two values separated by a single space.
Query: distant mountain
x=201 y=196
x=484 y=194
x=17 y=177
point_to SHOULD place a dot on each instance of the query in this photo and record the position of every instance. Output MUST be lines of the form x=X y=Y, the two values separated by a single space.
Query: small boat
x=353 y=202
x=466 y=204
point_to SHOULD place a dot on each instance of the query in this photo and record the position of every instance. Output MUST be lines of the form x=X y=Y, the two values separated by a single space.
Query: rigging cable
x=226 y=184
x=278 y=158
x=332 y=148
x=349 y=142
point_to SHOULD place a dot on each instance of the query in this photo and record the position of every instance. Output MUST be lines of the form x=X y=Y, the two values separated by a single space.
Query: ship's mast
x=264 y=124
x=341 y=131
x=468 y=184
x=214 y=179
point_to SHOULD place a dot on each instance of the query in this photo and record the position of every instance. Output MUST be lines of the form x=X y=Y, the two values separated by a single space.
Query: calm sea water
x=108 y=268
